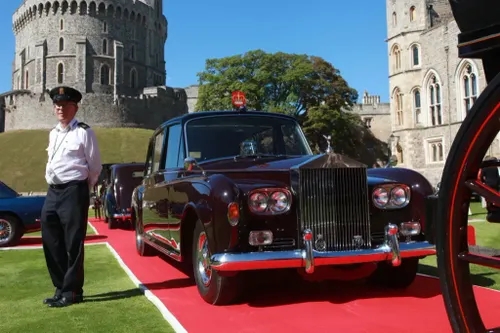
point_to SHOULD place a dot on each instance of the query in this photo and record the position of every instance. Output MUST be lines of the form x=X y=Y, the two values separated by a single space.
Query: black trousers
x=64 y=227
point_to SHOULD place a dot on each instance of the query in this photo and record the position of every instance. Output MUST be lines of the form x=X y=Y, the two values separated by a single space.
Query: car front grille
x=334 y=205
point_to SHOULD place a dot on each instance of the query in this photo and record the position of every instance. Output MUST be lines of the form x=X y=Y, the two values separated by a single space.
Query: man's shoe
x=66 y=301
x=52 y=299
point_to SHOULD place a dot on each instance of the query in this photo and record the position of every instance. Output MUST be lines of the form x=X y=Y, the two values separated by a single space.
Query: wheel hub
x=5 y=230
x=203 y=256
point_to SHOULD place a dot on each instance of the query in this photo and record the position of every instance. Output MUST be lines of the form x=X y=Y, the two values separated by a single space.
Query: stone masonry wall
x=27 y=110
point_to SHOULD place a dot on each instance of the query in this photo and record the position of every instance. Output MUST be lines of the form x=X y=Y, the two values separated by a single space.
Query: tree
x=288 y=83
x=275 y=82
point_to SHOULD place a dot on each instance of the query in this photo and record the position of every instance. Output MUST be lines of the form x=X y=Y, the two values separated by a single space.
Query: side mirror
x=190 y=163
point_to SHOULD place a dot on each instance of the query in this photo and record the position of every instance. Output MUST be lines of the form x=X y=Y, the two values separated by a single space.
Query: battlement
x=139 y=12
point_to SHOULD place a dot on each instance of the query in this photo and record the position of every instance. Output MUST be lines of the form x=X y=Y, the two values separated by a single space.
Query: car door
x=174 y=161
x=153 y=192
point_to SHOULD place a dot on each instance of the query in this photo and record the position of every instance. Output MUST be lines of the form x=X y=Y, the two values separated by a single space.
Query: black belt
x=65 y=185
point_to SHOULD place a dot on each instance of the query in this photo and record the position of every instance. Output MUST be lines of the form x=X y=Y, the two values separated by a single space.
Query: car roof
x=201 y=114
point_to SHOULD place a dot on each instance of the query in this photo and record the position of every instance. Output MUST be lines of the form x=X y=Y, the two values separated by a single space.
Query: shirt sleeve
x=93 y=156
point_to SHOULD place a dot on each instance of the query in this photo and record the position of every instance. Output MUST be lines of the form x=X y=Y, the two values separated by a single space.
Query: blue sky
x=349 y=34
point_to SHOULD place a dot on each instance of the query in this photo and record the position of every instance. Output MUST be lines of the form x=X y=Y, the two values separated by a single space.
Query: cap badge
x=61 y=91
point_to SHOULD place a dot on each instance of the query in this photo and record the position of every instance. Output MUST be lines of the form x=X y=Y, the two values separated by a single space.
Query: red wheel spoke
x=485 y=191
x=481 y=260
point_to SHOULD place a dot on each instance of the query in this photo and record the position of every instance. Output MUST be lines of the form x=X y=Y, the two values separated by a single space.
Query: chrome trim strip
x=122 y=216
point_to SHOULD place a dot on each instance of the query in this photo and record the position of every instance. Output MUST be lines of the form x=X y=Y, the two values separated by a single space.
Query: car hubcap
x=204 y=269
x=5 y=231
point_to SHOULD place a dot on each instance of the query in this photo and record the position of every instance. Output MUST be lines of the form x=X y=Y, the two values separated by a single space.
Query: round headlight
x=258 y=202
x=380 y=197
x=398 y=196
x=279 y=202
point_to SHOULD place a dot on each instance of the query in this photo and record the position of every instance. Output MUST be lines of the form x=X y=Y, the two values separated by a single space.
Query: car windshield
x=244 y=135
x=7 y=192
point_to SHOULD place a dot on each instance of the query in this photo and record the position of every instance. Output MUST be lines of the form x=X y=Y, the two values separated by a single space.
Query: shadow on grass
x=481 y=279
x=114 y=295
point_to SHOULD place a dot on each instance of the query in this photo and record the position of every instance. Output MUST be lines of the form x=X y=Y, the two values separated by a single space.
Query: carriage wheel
x=459 y=181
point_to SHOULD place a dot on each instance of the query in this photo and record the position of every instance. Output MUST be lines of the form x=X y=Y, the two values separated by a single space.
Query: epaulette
x=84 y=126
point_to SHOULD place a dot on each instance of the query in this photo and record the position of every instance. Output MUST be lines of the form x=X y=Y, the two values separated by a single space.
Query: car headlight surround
x=391 y=196
x=269 y=201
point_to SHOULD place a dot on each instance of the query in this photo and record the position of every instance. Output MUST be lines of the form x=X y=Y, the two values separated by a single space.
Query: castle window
x=368 y=122
x=26 y=80
x=396 y=58
x=415 y=55
x=61 y=44
x=399 y=153
x=18 y=82
x=417 y=106
x=105 y=75
x=435 y=109
x=132 y=52
x=398 y=102
x=61 y=25
x=412 y=14
x=469 y=88
x=104 y=27
x=133 y=78
x=104 y=46
x=394 y=19
x=435 y=150
x=60 y=73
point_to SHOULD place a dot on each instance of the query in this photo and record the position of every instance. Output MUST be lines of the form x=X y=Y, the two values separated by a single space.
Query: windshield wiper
x=238 y=157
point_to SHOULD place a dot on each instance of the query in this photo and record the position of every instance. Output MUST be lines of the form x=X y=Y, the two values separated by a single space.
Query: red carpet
x=297 y=307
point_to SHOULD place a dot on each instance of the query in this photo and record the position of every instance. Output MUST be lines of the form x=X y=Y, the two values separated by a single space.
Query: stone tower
x=110 y=50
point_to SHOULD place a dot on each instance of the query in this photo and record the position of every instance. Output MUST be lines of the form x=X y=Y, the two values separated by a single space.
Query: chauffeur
x=73 y=167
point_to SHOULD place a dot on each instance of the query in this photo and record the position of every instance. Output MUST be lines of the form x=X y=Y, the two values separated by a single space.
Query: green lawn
x=23 y=158
x=112 y=303
x=487 y=235
x=90 y=231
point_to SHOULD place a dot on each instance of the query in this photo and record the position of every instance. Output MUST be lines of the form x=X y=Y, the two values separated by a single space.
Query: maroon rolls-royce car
x=237 y=191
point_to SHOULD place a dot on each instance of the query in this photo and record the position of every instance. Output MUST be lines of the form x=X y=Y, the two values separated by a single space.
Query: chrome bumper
x=122 y=216
x=391 y=250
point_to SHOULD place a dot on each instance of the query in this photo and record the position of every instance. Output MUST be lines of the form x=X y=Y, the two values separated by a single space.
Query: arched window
x=133 y=78
x=26 y=80
x=415 y=55
x=412 y=14
x=105 y=75
x=469 y=88
x=394 y=19
x=435 y=107
x=417 y=106
x=104 y=46
x=60 y=73
x=435 y=150
x=61 y=44
x=398 y=106
x=396 y=58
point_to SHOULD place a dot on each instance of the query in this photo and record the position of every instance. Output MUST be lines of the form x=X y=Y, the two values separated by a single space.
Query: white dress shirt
x=73 y=154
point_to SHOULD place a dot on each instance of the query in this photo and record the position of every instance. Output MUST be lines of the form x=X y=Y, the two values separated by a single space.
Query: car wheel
x=213 y=288
x=112 y=223
x=398 y=277
x=143 y=249
x=11 y=230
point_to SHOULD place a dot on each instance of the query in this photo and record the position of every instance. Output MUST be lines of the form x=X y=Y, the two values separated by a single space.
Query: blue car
x=18 y=215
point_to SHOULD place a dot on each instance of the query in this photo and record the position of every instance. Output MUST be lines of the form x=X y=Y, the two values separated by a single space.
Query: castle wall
x=27 y=110
x=444 y=82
